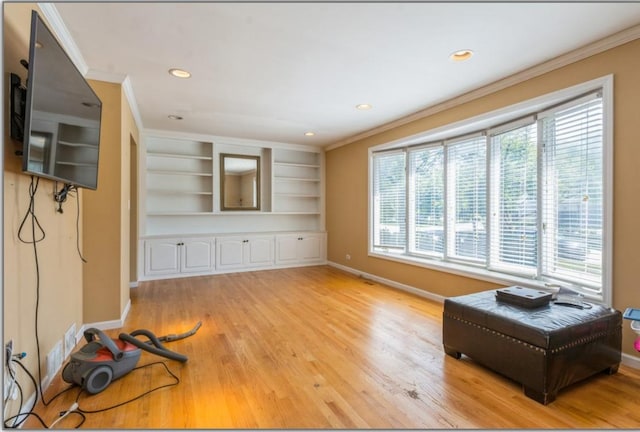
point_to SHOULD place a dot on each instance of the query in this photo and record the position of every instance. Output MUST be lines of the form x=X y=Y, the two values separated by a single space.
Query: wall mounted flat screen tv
x=63 y=115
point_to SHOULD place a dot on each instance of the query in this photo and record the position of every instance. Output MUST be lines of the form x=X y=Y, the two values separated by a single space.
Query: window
x=426 y=197
x=517 y=202
x=389 y=190
x=467 y=199
x=514 y=222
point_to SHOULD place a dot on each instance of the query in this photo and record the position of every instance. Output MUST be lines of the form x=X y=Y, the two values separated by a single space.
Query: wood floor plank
x=319 y=348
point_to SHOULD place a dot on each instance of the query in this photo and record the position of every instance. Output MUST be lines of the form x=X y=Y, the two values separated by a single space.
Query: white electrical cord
x=71 y=409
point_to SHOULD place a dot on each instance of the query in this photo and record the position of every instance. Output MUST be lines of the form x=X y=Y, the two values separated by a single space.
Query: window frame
x=489 y=122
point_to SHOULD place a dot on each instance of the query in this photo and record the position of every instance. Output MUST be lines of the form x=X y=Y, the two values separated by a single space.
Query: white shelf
x=178 y=213
x=296 y=195
x=178 y=156
x=291 y=164
x=296 y=179
x=177 y=192
x=182 y=173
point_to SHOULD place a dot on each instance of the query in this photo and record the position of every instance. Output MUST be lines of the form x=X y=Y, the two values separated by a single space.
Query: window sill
x=477 y=273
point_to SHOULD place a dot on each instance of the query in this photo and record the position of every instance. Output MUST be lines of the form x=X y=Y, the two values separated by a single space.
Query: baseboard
x=408 y=288
x=631 y=361
x=108 y=325
x=133 y=284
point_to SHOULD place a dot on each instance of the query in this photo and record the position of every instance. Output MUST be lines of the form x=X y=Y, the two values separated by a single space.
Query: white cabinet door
x=161 y=257
x=174 y=256
x=310 y=247
x=244 y=252
x=229 y=252
x=197 y=255
x=299 y=248
x=287 y=249
x=259 y=252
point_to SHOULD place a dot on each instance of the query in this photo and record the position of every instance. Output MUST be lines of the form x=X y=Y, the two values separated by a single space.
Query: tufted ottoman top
x=550 y=327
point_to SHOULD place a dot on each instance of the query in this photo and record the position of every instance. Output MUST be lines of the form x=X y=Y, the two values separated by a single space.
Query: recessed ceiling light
x=179 y=73
x=309 y=133
x=175 y=117
x=461 y=55
x=364 y=107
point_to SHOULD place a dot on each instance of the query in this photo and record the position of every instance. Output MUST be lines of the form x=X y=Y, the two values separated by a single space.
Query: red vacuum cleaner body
x=103 y=360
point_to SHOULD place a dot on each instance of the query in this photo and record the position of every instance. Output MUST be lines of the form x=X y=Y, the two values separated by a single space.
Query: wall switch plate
x=69 y=340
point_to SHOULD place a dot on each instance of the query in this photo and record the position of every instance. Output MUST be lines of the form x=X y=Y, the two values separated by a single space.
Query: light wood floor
x=318 y=348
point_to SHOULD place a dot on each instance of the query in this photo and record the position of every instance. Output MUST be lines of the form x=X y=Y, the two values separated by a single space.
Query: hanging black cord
x=33 y=189
x=77 y=194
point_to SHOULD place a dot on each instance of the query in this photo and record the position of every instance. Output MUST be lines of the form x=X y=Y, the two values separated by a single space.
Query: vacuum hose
x=153 y=345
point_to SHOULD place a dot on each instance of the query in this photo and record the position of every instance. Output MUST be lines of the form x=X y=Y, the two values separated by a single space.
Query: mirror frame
x=224 y=207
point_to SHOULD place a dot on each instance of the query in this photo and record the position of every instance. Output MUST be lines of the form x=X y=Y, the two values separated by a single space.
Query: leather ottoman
x=544 y=349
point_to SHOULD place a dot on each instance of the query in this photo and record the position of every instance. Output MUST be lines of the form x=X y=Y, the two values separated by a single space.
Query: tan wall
x=106 y=227
x=347 y=190
x=102 y=215
x=60 y=266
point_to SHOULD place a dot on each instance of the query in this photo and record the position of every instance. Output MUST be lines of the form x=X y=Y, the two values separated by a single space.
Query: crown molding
x=589 y=50
x=61 y=31
x=133 y=103
x=116 y=78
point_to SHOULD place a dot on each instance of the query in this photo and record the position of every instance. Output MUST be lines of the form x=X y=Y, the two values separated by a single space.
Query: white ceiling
x=273 y=71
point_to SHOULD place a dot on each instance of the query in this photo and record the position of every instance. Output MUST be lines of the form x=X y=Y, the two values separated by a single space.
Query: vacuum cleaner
x=103 y=360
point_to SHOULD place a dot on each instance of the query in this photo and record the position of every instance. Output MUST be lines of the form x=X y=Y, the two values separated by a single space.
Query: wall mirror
x=240 y=182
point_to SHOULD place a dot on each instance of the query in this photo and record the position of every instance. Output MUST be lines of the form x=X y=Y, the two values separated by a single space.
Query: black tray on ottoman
x=544 y=349
x=525 y=297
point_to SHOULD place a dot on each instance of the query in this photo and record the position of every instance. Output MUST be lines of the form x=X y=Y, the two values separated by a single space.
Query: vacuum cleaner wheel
x=98 y=379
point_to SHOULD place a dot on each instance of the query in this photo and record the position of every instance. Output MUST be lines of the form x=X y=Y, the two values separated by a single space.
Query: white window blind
x=525 y=202
x=426 y=200
x=467 y=198
x=389 y=206
x=572 y=202
x=514 y=224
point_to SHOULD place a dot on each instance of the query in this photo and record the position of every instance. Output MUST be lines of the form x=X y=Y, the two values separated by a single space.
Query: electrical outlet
x=8 y=351
x=54 y=359
x=10 y=389
x=69 y=340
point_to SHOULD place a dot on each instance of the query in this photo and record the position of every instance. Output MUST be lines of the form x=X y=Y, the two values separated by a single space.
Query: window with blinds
x=389 y=201
x=467 y=198
x=523 y=200
x=514 y=217
x=572 y=200
x=426 y=198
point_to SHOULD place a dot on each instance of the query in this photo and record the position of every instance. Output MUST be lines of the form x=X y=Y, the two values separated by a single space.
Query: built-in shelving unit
x=183 y=226
x=179 y=177
x=296 y=182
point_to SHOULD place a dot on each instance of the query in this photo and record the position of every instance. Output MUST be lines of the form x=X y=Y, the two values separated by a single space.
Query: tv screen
x=62 y=119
